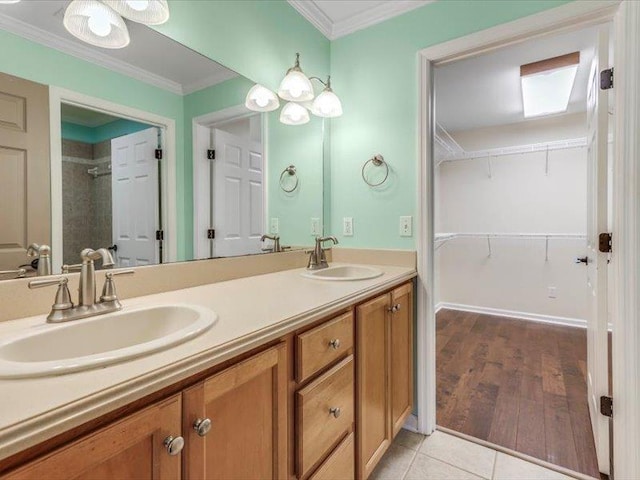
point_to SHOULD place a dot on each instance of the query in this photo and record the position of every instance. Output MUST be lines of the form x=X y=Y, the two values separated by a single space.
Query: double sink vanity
x=292 y=374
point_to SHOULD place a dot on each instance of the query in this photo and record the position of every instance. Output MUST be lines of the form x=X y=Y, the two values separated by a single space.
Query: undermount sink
x=78 y=345
x=344 y=273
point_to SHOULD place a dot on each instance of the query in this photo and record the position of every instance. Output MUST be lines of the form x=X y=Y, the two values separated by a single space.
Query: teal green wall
x=375 y=73
x=108 y=131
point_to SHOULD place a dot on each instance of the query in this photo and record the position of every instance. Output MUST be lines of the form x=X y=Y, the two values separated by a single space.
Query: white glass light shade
x=327 y=104
x=149 y=12
x=548 y=92
x=93 y=22
x=294 y=114
x=296 y=87
x=261 y=99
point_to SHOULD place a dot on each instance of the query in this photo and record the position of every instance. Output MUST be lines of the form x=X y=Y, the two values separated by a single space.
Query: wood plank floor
x=518 y=384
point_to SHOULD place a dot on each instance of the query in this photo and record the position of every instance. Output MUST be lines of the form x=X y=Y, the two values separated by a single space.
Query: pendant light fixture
x=327 y=104
x=95 y=23
x=261 y=99
x=148 y=12
x=294 y=114
x=295 y=86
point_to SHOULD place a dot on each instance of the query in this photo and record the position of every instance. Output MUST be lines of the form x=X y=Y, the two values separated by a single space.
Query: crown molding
x=88 y=54
x=210 y=81
x=316 y=16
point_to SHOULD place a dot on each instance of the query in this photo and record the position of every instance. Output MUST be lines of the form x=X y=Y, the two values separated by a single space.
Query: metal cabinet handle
x=397 y=307
x=335 y=343
x=174 y=445
x=335 y=411
x=202 y=426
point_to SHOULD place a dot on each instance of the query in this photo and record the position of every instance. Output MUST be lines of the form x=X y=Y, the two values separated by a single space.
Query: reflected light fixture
x=148 y=12
x=327 y=104
x=295 y=86
x=547 y=84
x=294 y=114
x=261 y=99
x=95 y=23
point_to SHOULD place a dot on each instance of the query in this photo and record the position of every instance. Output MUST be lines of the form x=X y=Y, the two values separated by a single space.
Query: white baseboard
x=532 y=317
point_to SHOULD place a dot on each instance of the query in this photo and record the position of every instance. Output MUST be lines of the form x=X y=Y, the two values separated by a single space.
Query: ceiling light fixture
x=149 y=12
x=547 y=84
x=93 y=22
x=261 y=99
x=295 y=86
x=294 y=114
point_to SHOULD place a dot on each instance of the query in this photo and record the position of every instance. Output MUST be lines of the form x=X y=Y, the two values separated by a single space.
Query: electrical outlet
x=315 y=226
x=552 y=292
x=275 y=225
x=347 y=226
x=406 y=229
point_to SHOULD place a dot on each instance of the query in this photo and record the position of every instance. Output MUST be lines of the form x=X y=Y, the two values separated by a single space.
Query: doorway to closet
x=520 y=290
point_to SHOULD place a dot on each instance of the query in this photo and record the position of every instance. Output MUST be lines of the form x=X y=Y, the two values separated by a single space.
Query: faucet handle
x=63 y=296
x=109 y=288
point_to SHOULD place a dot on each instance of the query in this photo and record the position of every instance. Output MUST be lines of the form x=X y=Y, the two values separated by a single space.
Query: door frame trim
x=58 y=96
x=568 y=17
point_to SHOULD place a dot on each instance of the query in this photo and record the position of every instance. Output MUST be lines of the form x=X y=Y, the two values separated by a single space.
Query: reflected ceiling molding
x=220 y=77
x=368 y=17
x=87 y=53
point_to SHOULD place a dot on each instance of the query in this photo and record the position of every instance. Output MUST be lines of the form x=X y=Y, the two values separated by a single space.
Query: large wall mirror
x=146 y=150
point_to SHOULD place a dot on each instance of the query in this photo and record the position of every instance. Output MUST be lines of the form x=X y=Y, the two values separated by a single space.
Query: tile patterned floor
x=446 y=457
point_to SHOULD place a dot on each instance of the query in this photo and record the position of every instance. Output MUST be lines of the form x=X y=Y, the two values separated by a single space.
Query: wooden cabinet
x=247 y=407
x=341 y=463
x=384 y=373
x=131 y=449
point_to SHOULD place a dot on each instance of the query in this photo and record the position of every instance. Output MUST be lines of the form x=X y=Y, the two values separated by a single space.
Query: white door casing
x=597 y=266
x=135 y=195
x=237 y=212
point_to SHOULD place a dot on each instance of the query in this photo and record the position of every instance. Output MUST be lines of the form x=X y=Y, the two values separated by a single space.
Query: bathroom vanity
x=314 y=384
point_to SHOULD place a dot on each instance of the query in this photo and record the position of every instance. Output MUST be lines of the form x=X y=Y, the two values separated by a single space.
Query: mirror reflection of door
x=110 y=186
x=237 y=193
x=24 y=169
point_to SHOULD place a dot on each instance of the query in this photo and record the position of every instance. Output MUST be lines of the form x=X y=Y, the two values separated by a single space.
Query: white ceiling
x=150 y=57
x=336 y=18
x=485 y=90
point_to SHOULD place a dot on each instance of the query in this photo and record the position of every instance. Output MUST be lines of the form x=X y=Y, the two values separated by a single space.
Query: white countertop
x=252 y=311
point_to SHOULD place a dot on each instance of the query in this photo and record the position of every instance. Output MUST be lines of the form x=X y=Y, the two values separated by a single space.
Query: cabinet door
x=247 y=407
x=401 y=355
x=372 y=420
x=132 y=449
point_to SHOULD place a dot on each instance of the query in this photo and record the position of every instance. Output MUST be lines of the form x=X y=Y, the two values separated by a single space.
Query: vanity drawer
x=322 y=345
x=341 y=463
x=325 y=412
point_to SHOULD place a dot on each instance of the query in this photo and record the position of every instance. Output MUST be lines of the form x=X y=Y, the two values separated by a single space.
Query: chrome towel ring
x=291 y=171
x=377 y=161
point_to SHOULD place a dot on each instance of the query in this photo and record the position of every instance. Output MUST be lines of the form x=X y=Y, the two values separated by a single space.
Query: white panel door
x=597 y=212
x=135 y=194
x=237 y=195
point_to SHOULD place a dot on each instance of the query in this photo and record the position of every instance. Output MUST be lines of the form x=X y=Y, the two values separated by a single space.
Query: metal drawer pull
x=201 y=426
x=394 y=308
x=335 y=411
x=335 y=343
x=174 y=445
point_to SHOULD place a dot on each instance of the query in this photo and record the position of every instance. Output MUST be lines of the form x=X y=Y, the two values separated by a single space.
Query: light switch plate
x=552 y=292
x=275 y=225
x=315 y=226
x=347 y=226
x=406 y=227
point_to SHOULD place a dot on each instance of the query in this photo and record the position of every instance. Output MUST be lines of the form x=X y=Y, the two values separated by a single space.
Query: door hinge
x=606 y=79
x=159 y=234
x=604 y=242
x=606 y=406
x=158 y=154
x=211 y=234
x=211 y=154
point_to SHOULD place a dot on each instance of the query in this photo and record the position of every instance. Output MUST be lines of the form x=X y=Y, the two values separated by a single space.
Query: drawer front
x=321 y=346
x=320 y=424
x=341 y=463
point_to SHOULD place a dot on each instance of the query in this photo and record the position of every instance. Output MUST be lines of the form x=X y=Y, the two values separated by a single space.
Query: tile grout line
x=413 y=459
x=453 y=465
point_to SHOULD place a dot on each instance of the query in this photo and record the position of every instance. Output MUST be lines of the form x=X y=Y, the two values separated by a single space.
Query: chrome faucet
x=63 y=308
x=43 y=254
x=317 y=257
x=276 y=242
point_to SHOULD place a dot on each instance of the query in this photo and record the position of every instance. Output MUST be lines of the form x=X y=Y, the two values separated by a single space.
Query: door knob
x=584 y=260
x=174 y=445
x=202 y=426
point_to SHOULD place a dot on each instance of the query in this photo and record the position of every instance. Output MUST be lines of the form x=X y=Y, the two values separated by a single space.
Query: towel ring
x=377 y=161
x=291 y=170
